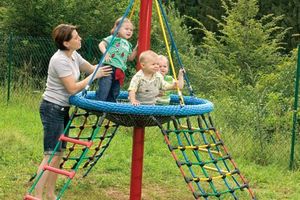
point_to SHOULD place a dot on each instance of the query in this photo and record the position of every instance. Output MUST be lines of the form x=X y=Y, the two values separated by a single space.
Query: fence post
x=295 y=111
x=9 y=67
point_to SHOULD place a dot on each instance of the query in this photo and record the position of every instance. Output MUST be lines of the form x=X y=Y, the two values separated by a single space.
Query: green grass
x=21 y=153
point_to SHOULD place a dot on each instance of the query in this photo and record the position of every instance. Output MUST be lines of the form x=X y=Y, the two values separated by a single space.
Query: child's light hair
x=145 y=55
x=164 y=57
x=117 y=22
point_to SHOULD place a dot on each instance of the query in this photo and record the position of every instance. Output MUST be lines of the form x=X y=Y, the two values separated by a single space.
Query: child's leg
x=104 y=87
x=114 y=91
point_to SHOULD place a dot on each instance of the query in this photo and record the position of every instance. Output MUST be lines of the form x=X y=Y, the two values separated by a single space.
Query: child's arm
x=180 y=78
x=169 y=86
x=132 y=89
x=102 y=48
x=132 y=56
x=131 y=96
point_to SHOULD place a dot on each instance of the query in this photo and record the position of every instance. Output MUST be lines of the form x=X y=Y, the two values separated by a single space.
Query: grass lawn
x=21 y=153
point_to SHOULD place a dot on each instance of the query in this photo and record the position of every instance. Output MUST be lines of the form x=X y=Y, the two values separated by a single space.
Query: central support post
x=139 y=132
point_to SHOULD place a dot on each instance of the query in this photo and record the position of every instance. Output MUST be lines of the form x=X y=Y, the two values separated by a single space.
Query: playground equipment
x=187 y=128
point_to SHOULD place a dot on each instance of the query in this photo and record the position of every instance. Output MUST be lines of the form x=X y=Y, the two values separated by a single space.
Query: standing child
x=163 y=62
x=116 y=57
x=146 y=83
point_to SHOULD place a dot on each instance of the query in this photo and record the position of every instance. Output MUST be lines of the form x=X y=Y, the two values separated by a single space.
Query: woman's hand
x=104 y=71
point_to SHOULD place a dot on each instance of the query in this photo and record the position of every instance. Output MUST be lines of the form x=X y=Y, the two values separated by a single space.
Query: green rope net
x=203 y=159
x=196 y=146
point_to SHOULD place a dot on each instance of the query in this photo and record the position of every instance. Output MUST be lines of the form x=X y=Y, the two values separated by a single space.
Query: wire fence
x=24 y=62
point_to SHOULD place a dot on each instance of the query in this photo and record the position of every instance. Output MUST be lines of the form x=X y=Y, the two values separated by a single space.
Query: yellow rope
x=212 y=178
x=133 y=9
x=215 y=169
x=202 y=148
x=168 y=49
x=83 y=148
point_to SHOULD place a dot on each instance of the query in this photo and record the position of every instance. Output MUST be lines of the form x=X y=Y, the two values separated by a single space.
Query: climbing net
x=203 y=159
x=96 y=132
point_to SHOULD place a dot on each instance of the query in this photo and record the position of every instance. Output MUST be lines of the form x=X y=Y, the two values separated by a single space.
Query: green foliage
x=28 y=17
x=290 y=10
x=3 y=13
x=247 y=47
x=95 y=18
x=199 y=9
x=244 y=70
x=255 y=123
x=3 y=59
x=202 y=10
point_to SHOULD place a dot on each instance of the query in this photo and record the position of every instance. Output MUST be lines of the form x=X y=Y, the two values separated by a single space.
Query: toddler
x=146 y=83
x=164 y=96
x=116 y=57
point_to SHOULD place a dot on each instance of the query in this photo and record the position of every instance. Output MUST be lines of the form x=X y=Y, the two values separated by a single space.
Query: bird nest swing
x=126 y=114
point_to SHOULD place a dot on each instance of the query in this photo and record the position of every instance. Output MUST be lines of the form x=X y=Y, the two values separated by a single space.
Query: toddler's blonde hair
x=117 y=22
x=145 y=55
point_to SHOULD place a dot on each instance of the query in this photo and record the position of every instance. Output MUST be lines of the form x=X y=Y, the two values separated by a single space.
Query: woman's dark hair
x=62 y=33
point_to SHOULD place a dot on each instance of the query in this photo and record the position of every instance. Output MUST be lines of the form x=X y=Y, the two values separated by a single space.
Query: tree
x=33 y=18
x=291 y=11
x=246 y=47
x=38 y=17
x=199 y=9
x=245 y=68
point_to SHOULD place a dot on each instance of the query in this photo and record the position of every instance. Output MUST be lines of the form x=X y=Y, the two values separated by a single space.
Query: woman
x=62 y=81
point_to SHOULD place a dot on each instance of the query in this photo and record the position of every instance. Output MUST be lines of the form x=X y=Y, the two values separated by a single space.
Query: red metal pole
x=139 y=132
x=145 y=27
